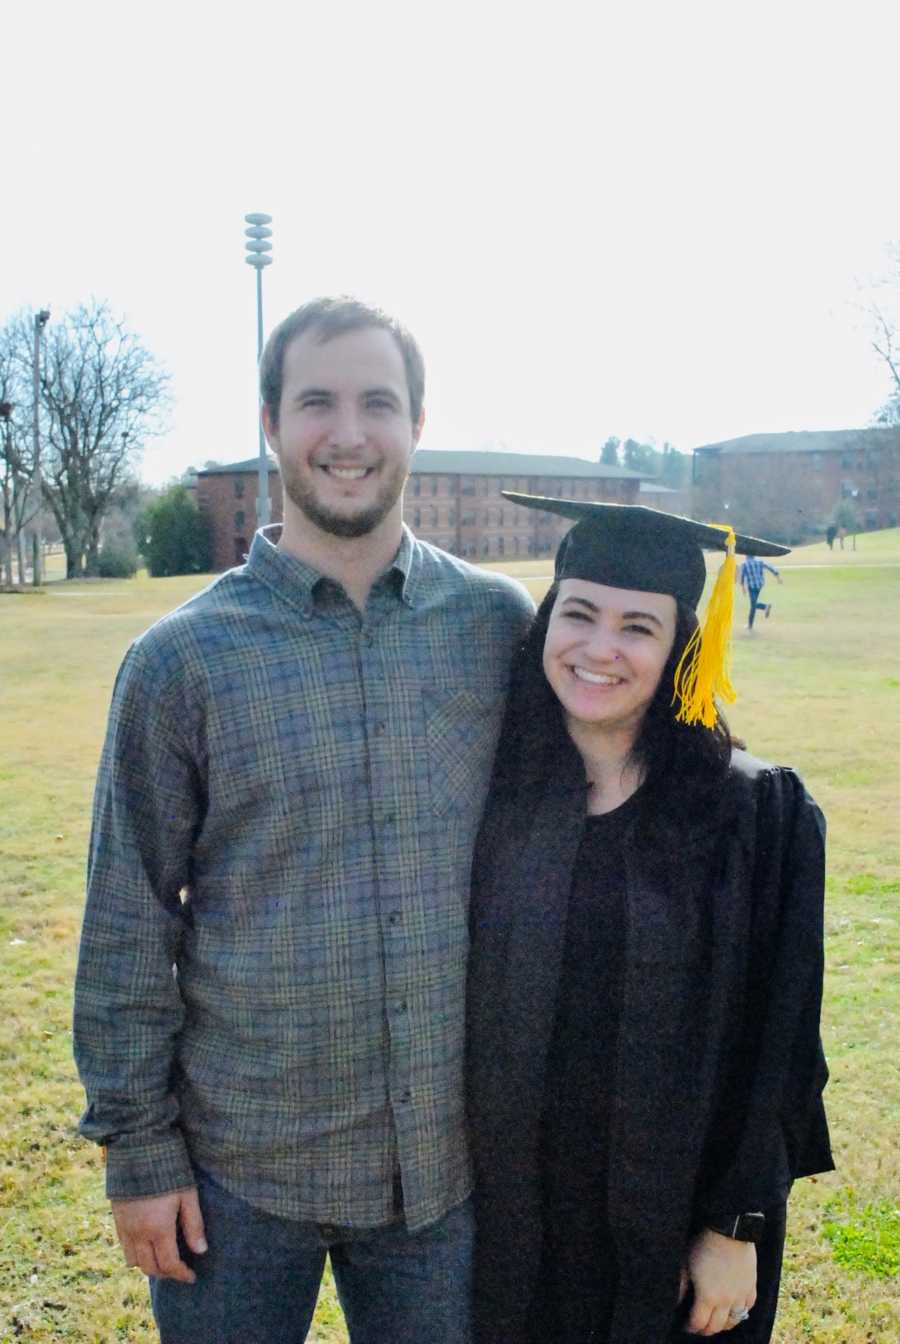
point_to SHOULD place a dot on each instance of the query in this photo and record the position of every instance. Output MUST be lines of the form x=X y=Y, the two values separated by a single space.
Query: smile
x=347 y=473
x=595 y=678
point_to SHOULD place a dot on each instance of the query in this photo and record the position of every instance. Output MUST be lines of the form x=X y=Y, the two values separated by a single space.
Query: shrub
x=117 y=560
x=175 y=537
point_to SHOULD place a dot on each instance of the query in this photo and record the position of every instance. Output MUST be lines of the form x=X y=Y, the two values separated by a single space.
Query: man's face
x=344 y=437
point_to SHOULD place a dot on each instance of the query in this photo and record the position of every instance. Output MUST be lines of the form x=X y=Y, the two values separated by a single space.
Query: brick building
x=452 y=499
x=228 y=496
x=787 y=485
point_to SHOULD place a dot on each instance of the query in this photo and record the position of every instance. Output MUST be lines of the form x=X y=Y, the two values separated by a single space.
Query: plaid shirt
x=272 y=967
x=753 y=572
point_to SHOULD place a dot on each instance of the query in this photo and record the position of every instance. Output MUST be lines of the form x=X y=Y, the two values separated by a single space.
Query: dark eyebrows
x=582 y=602
x=310 y=392
x=387 y=392
x=626 y=615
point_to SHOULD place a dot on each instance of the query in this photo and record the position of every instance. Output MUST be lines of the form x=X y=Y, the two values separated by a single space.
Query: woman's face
x=605 y=651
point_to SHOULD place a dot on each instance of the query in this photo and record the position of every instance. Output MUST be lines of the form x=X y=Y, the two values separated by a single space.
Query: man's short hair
x=329 y=317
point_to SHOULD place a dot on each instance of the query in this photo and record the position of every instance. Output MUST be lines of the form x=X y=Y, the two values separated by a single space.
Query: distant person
x=753 y=576
x=645 y=1071
x=830 y=534
x=269 y=1009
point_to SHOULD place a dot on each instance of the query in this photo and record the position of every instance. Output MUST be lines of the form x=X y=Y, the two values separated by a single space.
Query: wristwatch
x=741 y=1227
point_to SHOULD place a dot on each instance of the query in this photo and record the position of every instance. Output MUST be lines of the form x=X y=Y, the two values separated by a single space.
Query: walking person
x=645 y=1071
x=753 y=577
x=269 y=1013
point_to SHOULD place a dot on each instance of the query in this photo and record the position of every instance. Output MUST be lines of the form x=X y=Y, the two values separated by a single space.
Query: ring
x=738 y=1314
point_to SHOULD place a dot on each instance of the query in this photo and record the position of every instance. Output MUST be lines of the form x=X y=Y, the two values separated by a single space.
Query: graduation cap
x=632 y=546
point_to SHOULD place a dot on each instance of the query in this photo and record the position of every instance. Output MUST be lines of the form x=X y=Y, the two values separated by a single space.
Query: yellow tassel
x=702 y=671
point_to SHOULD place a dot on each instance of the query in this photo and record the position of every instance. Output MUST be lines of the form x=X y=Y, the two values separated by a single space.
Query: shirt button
x=394 y=917
x=406 y=1097
x=401 y=1007
x=379 y=728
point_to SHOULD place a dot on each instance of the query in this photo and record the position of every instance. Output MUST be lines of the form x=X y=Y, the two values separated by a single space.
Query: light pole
x=6 y=410
x=257 y=248
x=40 y=321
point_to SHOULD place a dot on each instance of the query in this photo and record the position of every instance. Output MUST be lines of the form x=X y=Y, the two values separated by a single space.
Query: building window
x=434 y=485
x=240 y=550
x=239 y=487
x=451 y=517
x=485 y=547
x=417 y=518
x=467 y=487
x=501 y=546
x=239 y=520
x=417 y=485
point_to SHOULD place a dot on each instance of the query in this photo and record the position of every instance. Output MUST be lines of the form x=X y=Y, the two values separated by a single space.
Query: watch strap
x=740 y=1226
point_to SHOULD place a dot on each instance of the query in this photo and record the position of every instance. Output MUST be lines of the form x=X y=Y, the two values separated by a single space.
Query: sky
x=653 y=220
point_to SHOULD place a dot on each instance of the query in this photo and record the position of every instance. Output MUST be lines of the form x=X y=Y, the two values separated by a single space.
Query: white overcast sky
x=643 y=218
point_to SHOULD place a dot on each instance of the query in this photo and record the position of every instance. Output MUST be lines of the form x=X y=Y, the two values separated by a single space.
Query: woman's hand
x=723 y=1272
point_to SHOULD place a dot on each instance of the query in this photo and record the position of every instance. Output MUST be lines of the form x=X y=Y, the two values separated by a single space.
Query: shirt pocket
x=461 y=734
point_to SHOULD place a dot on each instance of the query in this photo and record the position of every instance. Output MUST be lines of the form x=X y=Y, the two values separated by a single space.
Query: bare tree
x=103 y=395
x=884 y=343
x=21 y=499
x=880 y=309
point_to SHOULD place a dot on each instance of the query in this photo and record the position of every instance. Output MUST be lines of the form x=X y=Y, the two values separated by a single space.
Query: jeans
x=755 y=604
x=258 y=1282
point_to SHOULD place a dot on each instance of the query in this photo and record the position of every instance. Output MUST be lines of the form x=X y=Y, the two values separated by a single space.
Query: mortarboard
x=632 y=546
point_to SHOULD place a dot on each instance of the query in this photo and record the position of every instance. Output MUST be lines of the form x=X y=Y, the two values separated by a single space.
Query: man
x=752 y=579
x=269 y=1003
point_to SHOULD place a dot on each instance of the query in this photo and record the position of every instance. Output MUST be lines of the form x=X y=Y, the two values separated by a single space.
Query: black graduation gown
x=719 y=1067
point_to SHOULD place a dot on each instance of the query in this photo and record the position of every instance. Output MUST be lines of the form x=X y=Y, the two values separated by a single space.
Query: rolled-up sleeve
x=148 y=806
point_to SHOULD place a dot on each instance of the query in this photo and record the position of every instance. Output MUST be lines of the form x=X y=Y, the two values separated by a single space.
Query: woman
x=645 y=1071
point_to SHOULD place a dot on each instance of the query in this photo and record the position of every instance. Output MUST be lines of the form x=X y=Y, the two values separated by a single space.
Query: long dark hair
x=534 y=731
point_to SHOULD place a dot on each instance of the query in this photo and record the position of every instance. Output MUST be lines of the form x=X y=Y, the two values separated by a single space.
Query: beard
x=339 y=524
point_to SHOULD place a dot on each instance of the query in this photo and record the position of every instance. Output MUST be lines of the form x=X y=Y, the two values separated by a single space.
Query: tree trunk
x=7 y=536
x=92 y=555
x=20 y=558
x=73 y=551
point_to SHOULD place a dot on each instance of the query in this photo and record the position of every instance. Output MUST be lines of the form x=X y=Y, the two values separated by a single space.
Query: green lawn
x=819 y=688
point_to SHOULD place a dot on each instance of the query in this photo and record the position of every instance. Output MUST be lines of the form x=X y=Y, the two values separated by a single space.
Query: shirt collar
x=294 y=581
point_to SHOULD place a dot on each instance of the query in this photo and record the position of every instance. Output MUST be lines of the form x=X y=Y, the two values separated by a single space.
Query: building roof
x=450 y=462
x=807 y=441
x=249 y=464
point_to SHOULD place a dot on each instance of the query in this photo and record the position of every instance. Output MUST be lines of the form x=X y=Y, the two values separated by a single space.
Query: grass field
x=819 y=689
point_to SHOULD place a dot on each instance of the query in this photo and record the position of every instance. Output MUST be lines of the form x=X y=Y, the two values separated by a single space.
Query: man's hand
x=723 y=1272
x=147 y=1232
